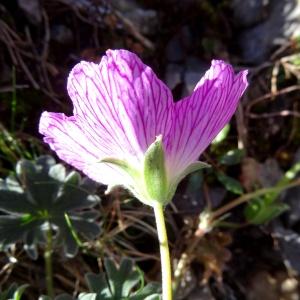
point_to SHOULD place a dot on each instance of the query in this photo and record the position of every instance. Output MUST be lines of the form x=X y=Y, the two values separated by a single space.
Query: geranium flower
x=127 y=130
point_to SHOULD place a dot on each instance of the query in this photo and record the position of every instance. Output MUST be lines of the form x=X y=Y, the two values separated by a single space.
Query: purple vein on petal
x=199 y=117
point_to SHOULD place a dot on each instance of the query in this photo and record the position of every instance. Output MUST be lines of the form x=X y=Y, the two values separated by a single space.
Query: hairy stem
x=164 y=252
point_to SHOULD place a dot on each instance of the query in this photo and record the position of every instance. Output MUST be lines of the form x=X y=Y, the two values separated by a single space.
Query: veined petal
x=120 y=103
x=199 y=117
x=73 y=145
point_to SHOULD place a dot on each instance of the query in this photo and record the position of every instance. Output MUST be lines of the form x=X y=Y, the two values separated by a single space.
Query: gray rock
x=250 y=12
x=292 y=198
x=201 y=293
x=62 y=34
x=32 y=10
x=195 y=69
x=289 y=243
x=282 y=24
x=173 y=75
x=174 y=50
x=146 y=20
x=179 y=45
x=270 y=173
x=95 y=10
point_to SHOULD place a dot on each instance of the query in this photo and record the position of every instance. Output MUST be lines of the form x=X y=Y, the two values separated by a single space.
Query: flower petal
x=121 y=103
x=199 y=117
x=72 y=145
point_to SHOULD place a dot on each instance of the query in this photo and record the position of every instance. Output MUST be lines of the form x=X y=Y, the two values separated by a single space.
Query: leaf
x=64 y=297
x=259 y=211
x=13 y=292
x=19 y=292
x=232 y=157
x=231 y=184
x=222 y=135
x=125 y=282
x=43 y=192
x=88 y=296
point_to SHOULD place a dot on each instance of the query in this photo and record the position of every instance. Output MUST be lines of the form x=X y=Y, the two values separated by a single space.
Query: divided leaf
x=41 y=193
x=125 y=282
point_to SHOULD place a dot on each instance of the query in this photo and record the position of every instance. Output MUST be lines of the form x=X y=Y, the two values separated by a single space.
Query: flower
x=127 y=130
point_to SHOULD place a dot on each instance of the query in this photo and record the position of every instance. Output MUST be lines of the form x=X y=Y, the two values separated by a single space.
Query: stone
x=251 y=12
x=32 y=10
x=289 y=244
x=61 y=34
x=146 y=20
x=173 y=75
x=179 y=45
x=203 y=293
x=282 y=24
x=195 y=69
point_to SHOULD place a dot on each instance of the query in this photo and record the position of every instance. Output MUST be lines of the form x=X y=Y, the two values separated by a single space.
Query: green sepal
x=122 y=164
x=155 y=175
x=193 y=167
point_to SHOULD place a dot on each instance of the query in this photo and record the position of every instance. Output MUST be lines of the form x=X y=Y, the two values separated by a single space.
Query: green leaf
x=64 y=297
x=122 y=164
x=259 y=211
x=231 y=184
x=123 y=282
x=59 y=297
x=87 y=296
x=286 y=178
x=232 y=157
x=222 y=135
x=47 y=192
x=19 y=292
x=13 y=292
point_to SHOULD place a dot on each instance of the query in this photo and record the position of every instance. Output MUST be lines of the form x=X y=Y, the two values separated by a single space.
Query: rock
x=179 y=45
x=201 y=293
x=61 y=34
x=289 y=244
x=249 y=13
x=32 y=10
x=173 y=75
x=195 y=69
x=95 y=10
x=270 y=173
x=146 y=20
x=282 y=24
x=291 y=197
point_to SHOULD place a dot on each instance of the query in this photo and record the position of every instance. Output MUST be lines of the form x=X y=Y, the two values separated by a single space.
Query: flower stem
x=48 y=262
x=164 y=252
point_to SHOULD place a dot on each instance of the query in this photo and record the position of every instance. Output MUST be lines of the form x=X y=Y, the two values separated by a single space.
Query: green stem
x=48 y=262
x=164 y=252
x=247 y=197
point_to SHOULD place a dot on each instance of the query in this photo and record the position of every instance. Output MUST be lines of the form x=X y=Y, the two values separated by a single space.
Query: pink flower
x=121 y=107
